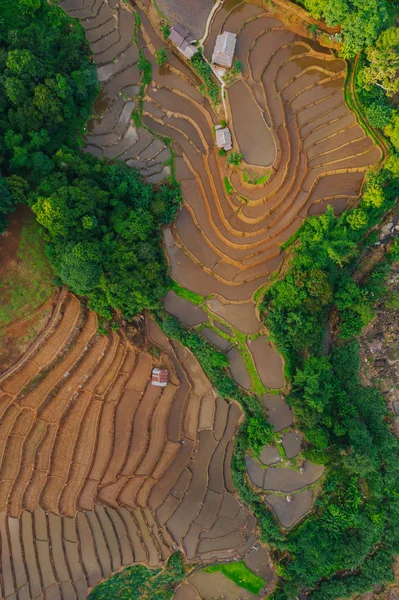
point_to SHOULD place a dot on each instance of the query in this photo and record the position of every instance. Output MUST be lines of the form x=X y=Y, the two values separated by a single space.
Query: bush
x=165 y=30
x=235 y=159
x=161 y=56
x=210 y=87
x=392 y=302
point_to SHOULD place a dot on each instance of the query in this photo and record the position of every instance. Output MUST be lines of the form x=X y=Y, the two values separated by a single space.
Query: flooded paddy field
x=99 y=468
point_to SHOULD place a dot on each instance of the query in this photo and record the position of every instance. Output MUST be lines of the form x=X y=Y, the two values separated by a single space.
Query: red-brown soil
x=17 y=336
x=100 y=469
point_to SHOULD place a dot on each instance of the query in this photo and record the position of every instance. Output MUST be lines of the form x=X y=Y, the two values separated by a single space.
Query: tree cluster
x=103 y=227
x=346 y=427
x=101 y=222
x=360 y=21
x=141 y=583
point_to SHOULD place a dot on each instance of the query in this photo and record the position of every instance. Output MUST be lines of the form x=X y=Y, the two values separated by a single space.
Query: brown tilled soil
x=100 y=469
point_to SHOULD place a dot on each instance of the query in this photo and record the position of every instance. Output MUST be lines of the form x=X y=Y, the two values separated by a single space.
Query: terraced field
x=110 y=28
x=288 y=117
x=100 y=469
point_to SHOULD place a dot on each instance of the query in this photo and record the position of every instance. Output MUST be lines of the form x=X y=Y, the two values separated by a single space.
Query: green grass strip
x=187 y=294
x=240 y=574
x=30 y=282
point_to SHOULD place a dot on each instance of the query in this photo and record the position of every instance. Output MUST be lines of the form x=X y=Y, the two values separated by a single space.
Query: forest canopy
x=361 y=20
x=101 y=222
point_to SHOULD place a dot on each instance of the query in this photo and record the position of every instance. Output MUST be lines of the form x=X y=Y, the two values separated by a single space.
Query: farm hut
x=159 y=377
x=223 y=137
x=224 y=49
x=182 y=39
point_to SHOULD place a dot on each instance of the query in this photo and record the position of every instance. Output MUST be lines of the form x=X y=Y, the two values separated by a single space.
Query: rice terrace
x=198 y=217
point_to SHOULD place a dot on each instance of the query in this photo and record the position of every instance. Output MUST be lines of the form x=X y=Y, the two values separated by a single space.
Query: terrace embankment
x=110 y=29
x=286 y=111
x=100 y=469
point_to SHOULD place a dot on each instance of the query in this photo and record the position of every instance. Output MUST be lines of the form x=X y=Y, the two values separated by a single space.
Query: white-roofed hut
x=223 y=137
x=224 y=49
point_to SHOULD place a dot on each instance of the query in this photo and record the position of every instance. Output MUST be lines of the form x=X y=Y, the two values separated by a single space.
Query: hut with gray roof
x=223 y=137
x=224 y=49
x=183 y=39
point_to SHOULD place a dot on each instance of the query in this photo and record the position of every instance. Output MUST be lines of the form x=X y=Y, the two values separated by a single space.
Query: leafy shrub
x=161 y=56
x=210 y=87
x=392 y=301
x=165 y=30
x=235 y=159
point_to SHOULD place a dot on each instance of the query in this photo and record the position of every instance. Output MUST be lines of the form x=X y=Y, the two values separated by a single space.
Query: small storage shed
x=160 y=377
x=183 y=39
x=224 y=49
x=223 y=137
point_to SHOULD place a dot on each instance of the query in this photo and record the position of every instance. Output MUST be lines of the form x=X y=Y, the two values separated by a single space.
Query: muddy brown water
x=279 y=479
x=270 y=455
x=216 y=340
x=254 y=138
x=292 y=443
x=290 y=513
x=241 y=316
x=191 y=14
x=268 y=362
x=278 y=412
x=238 y=369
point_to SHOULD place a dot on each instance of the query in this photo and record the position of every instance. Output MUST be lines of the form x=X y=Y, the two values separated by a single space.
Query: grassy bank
x=26 y=279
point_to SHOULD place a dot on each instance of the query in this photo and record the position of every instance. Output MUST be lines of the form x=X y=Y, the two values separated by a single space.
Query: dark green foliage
x=47 y=86
x=145 y=69
x=361 y=22
x=142 y=583
x=101 y=222
x=6 y=202
x=344 y=424
x=165 y=30
x=259 y=433
x=210 y=87
x=234 y=159
x=103 y=228
x=161 y=56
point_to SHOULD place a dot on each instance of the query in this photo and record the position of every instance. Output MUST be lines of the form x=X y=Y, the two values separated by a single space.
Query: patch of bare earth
x=100 y=469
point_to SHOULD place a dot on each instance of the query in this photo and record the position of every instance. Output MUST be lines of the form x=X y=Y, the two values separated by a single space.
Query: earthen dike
x=99 y=469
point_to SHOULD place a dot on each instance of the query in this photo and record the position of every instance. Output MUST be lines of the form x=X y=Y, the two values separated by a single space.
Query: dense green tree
x=392 y=130
x=361 y=20
x=357 y=219
x=383 y=59
x=6 y=202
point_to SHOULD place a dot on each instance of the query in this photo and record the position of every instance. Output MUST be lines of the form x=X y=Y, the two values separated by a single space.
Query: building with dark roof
x=183 y=39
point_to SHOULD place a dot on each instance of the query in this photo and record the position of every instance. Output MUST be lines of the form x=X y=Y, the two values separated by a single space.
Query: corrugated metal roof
x=224 y=49
x=159 y=377
x=180 y=36
x=223 y=138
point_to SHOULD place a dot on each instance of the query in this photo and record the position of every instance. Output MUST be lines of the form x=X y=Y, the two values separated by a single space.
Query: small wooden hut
x=223 y=137
x=160 y=377
x=183 y=39
x=224 y=49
